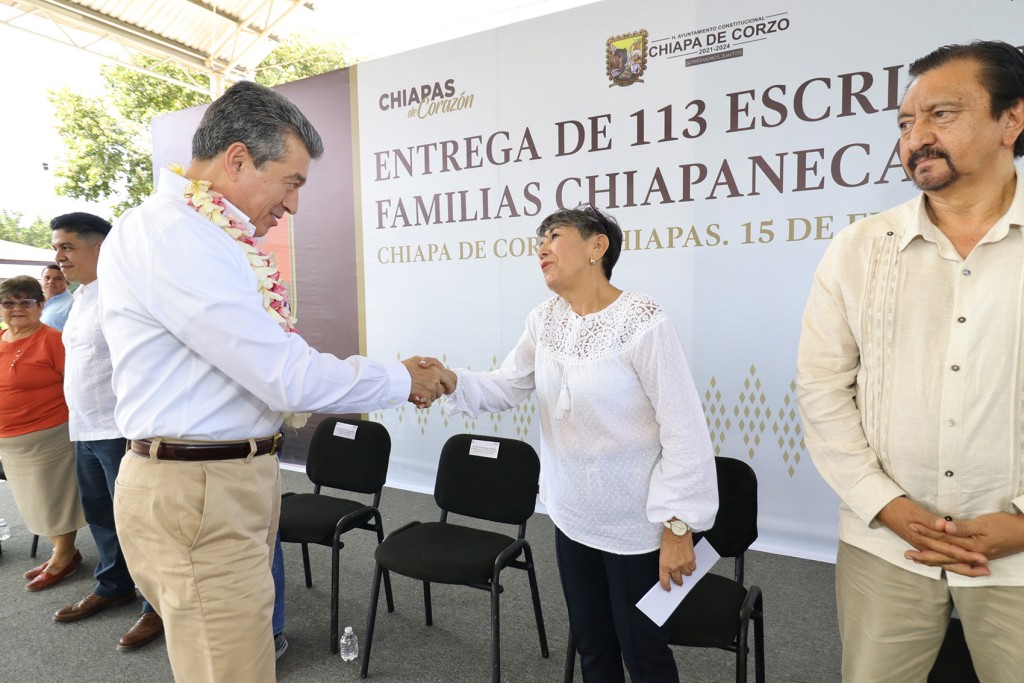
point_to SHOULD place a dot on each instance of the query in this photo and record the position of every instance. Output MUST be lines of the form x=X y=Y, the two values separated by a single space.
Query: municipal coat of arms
x=626 y=58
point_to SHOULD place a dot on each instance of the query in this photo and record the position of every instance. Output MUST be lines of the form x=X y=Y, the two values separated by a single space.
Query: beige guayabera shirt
x=911 y=377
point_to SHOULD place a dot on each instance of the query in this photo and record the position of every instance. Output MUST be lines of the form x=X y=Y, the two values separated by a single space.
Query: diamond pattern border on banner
x=755 y=416
x=767 y=429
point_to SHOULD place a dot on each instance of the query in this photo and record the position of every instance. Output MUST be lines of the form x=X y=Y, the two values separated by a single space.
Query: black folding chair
x=351 y=455
x=718 y=611
x=484 y=478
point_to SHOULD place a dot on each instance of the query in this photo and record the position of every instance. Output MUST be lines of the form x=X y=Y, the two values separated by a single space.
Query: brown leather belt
x=195 y=452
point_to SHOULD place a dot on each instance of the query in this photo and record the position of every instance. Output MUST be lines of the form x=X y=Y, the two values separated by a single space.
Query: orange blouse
x=32 y=383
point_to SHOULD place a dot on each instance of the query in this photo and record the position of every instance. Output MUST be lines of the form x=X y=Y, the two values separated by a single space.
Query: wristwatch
x=677 y=527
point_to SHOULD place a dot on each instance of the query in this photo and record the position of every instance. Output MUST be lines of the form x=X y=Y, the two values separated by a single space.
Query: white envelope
x=659 y=604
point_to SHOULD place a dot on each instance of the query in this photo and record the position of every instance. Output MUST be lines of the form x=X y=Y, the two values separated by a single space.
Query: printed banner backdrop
x=730 y=140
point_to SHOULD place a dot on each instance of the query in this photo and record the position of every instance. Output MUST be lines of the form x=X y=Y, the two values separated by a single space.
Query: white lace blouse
x=624 y=443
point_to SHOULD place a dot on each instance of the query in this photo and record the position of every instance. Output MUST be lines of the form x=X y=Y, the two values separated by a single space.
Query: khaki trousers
x=198 y=539
x=892 y=622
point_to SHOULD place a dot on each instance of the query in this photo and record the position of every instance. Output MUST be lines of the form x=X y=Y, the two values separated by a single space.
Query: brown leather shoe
x=148 y=628
x=89 y=605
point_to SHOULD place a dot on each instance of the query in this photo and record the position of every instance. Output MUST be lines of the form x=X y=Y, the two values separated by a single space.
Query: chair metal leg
x=370 y=620
x=335 y=552
x=570 y=661
x=388 y=596
x=742 y=650
x=305 y=565
x=495 y=633
x=387 y=575
x=35 y=545
x=541 y=633
x=758 y=617
x=426 y=603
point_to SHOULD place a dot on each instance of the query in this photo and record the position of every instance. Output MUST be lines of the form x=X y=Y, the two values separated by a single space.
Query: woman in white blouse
x=627 y=468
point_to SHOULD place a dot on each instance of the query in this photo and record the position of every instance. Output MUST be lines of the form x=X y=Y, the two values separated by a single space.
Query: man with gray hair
x=206 y=368
x=911 y=373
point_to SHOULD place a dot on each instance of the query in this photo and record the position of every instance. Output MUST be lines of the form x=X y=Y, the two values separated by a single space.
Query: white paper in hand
x=659 y=604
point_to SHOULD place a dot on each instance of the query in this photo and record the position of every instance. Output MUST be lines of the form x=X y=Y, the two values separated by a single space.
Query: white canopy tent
x=21 y=259
x=224 y=39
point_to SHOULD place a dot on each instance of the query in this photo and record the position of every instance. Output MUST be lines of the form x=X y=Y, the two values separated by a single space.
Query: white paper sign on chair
x=345 y=430
x=485 y=449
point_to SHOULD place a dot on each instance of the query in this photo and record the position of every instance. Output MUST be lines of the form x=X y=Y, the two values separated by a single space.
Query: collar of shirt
x=170 y=182
x=925 y=229
x=80 y=291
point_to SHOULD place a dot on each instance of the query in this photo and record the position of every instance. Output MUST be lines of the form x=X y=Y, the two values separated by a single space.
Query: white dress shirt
x=195 y=354
x=911 y=372
x=87 y=370
x=631 y=449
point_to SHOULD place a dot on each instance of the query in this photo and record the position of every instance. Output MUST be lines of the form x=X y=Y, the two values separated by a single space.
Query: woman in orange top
x=36 y=451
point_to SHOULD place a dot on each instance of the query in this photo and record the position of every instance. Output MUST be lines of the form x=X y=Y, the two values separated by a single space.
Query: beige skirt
x=40 y=469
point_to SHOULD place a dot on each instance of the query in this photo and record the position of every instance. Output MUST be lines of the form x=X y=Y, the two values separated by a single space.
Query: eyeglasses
x=9 y=304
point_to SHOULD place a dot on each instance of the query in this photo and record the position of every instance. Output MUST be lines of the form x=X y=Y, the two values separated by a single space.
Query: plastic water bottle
x=5 y=530
x=348 y=644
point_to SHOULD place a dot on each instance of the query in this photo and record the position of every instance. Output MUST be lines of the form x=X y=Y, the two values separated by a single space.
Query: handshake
x=430 y=379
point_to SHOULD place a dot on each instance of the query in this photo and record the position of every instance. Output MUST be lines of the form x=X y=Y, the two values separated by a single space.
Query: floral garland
x=210 y=205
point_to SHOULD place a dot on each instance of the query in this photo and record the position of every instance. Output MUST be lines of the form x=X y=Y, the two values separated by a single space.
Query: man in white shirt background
x=911 y=381
x=99 y=446
x=204 y=376
x=58 y=298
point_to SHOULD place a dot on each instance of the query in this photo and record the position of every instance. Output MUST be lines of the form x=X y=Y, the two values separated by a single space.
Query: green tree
x=107 y=138
x=14 y=229
x=296 y=57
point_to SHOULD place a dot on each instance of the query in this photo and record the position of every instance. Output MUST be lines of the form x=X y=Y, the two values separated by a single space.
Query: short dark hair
x=260 y=118
x=23 y=287
x=51 y=266
x=1002 y=73
x=589 y=221
x=89 y=227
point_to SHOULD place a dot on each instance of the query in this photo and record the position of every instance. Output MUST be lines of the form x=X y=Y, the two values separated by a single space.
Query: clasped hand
x=430 y=379
x=962 y=546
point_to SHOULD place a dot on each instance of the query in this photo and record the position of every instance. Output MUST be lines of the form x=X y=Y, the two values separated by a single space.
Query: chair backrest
x=349 y=454
x=735 y=526
x=488 y=477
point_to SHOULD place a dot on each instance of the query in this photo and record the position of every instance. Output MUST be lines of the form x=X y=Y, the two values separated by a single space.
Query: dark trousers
x=601 y=591
x=277 y=571
x=98 y=462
